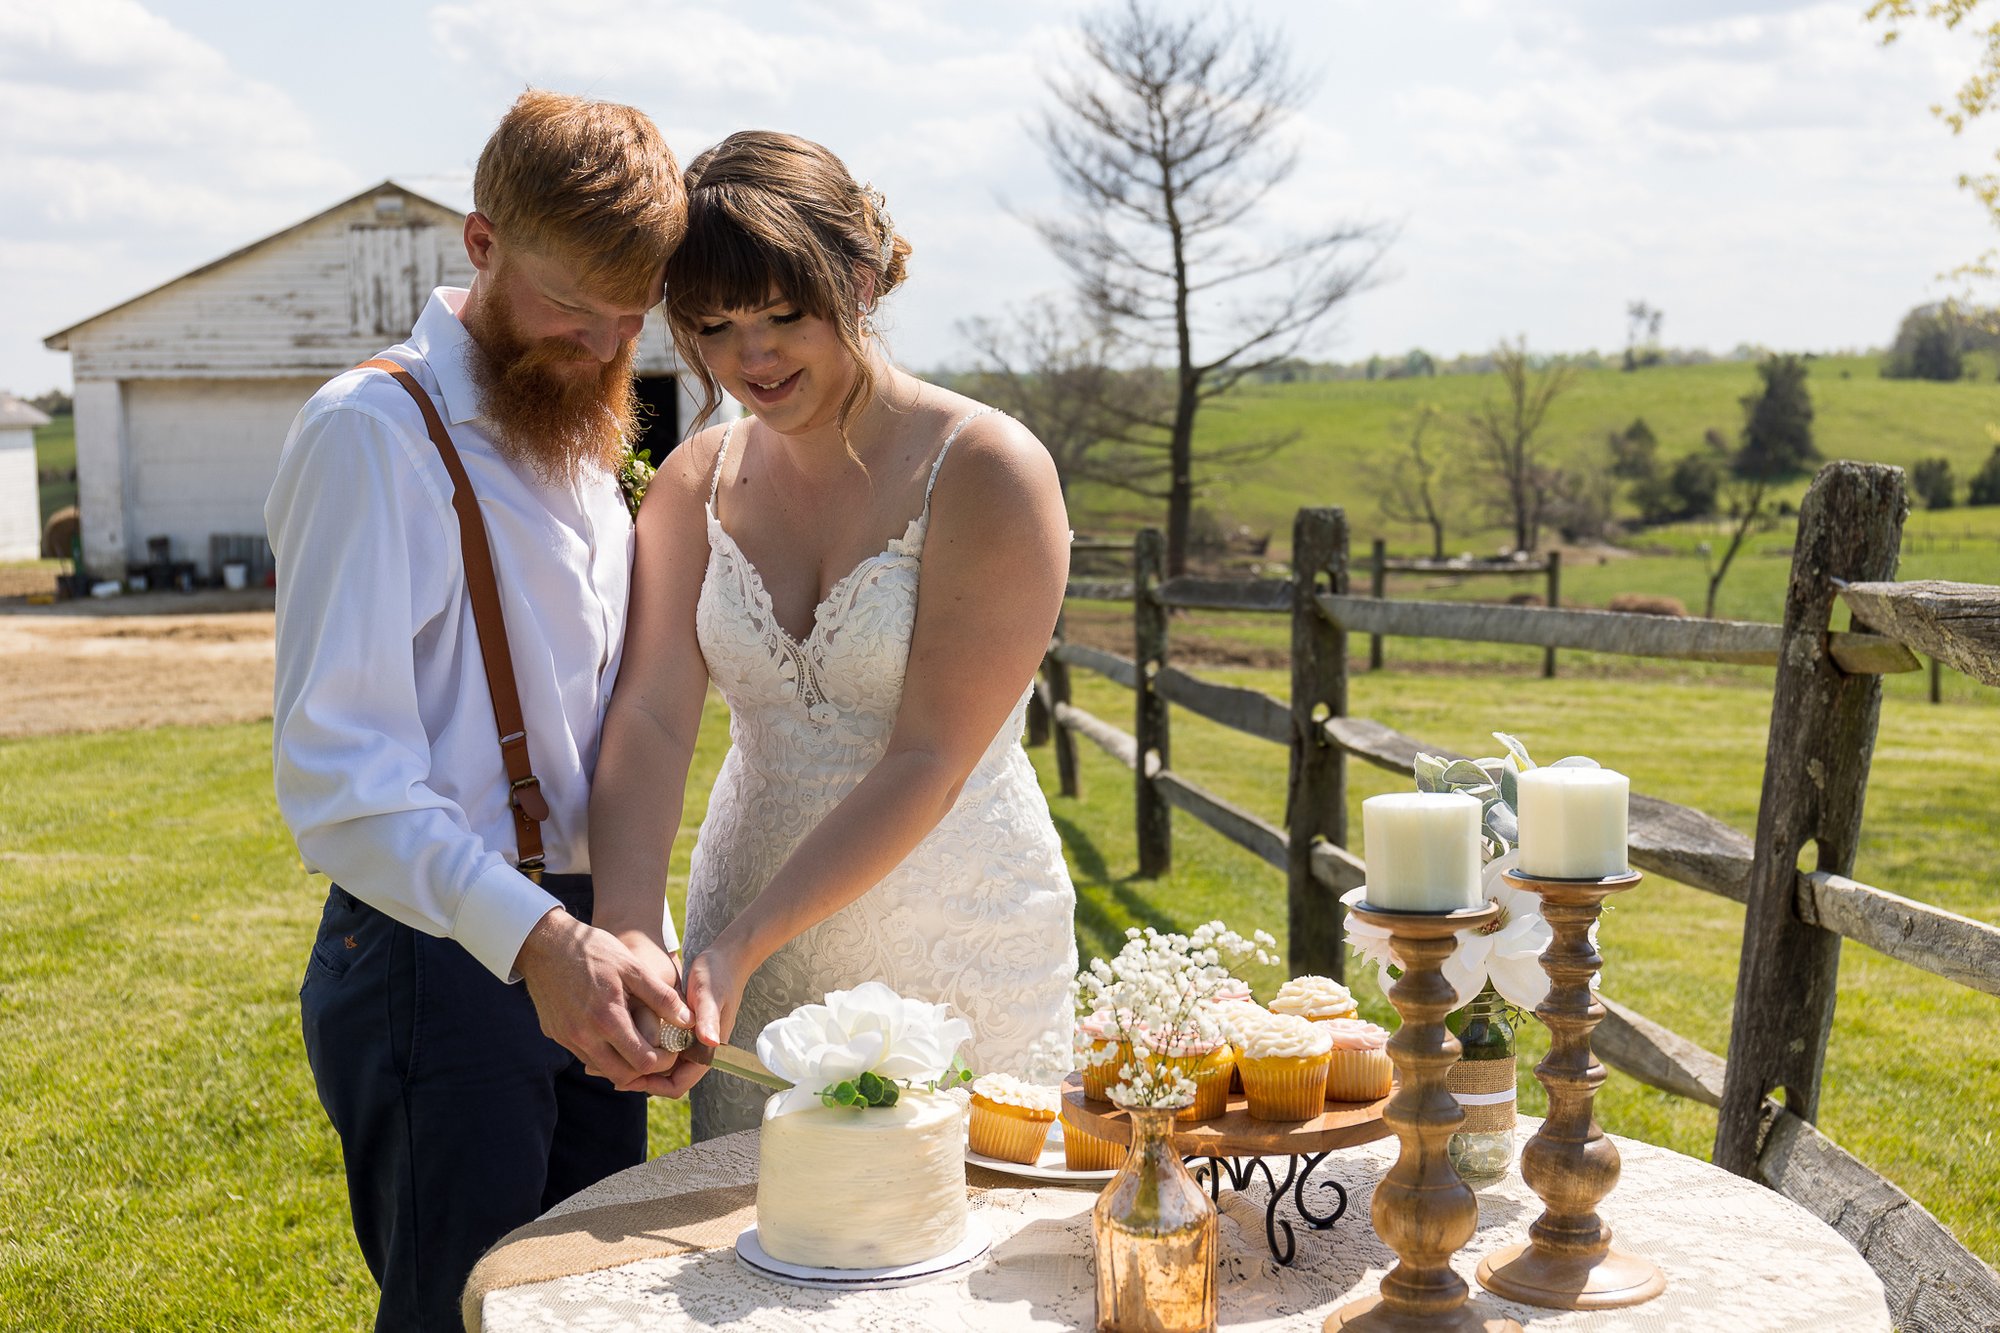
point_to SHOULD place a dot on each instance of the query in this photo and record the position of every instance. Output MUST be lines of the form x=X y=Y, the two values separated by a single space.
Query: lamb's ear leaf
x=1576 y=761
x=1516 y=749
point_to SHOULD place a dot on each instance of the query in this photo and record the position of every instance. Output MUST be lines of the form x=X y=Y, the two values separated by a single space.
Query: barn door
x=390 y=273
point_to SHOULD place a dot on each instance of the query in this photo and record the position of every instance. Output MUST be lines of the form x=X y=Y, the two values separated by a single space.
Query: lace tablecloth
x=1737 y=1256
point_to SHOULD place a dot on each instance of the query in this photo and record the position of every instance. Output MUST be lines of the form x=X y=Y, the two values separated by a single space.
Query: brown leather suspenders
x=524 y=788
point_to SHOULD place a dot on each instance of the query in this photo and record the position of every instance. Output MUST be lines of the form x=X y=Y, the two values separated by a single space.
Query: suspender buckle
x=525 y=795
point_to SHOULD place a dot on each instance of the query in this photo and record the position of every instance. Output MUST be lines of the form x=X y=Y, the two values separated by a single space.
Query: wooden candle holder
x=1568 y=1262
x=1422 y=1210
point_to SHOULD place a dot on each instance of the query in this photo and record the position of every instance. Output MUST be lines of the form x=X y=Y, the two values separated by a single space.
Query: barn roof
x=59 y=340
x=14 y=412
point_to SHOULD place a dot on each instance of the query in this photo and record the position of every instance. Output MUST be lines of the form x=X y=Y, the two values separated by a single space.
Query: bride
x=868 y=567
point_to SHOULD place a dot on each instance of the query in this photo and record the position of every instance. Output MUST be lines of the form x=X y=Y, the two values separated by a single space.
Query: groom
x=467 y=1105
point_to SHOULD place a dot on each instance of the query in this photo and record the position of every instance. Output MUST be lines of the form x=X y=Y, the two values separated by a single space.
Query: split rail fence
x=1824 y=715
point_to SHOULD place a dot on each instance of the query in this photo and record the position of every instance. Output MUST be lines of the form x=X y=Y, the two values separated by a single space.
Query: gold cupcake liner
x=1359 y=1076
x=1012 y=1135
x=1212 y=1081
x=1099 y=1079
x=1284 y=1088
x=1084 y=1151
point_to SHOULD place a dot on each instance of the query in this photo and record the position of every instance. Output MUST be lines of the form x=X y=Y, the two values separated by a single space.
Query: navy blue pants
x=458 y=1119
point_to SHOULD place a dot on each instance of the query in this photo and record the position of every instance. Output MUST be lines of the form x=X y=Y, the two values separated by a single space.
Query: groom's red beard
x=548 y=402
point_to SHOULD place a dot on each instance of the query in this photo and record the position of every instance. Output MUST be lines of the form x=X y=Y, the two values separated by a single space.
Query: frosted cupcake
x=1360 y=1070
x=1284 y=1060
x=1317 y=998
x=1103 y=1053
x=1010 y=1118
x=1231 y=1008
x=1084 y=1151
x=1211 y=1064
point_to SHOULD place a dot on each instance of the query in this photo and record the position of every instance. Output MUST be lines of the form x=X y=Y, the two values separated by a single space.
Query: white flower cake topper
x=867 y=1031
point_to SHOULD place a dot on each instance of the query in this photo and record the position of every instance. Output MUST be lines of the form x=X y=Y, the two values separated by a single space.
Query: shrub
x=1932 y=483
x=1777 y=428
x=1985 y=486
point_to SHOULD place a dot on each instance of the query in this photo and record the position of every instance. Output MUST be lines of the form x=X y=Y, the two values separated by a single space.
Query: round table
x=1736 y=1255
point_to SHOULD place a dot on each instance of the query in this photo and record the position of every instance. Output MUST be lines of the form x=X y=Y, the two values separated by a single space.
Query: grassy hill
x=1342 y=424
x=55 y=450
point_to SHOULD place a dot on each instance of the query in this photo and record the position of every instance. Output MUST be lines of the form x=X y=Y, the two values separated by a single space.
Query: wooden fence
x=1823 y=720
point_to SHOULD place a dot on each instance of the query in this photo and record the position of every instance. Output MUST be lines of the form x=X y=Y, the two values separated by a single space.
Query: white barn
x=184 y=393
x=20 y=503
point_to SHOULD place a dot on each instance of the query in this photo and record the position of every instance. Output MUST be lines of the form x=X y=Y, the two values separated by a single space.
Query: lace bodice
x=979 y=915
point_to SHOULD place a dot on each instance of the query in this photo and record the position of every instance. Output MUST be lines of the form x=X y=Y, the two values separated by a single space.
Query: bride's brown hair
x=770 y=212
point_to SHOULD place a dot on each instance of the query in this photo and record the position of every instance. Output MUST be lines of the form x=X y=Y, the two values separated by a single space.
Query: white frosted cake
x=839 y=1187
x=845 y=1185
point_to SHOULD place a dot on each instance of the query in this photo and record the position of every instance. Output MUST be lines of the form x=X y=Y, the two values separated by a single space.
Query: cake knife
x=729 y=1059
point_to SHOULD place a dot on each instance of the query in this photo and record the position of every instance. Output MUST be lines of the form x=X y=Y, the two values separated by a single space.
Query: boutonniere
x=635 y=473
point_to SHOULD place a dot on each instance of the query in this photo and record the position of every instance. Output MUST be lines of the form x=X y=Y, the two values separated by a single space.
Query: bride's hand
x=714 y=990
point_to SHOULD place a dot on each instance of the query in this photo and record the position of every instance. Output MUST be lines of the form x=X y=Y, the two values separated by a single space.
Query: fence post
x=1065 y=740
x=1937 y=682
x=1555 y=600
x=1038 y=712
x=1316 y=795
x=1815 y=775
x=1380 y=589
x=1149 y=626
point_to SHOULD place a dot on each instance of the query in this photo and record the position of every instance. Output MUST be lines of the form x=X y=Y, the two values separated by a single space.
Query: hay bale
x=1647 y=604
x=59 y=534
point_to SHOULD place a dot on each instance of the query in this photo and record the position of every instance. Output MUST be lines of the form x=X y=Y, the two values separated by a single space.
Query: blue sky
x=1764 y=172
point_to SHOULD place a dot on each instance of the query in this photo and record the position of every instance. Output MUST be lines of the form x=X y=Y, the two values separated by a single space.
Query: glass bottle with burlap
x=1483 y=1082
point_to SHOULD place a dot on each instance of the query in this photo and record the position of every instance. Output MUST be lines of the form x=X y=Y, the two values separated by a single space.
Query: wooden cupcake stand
x=1239 y=1147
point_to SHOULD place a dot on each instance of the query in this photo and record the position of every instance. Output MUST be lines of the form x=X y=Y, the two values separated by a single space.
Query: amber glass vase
x=1155 y=1232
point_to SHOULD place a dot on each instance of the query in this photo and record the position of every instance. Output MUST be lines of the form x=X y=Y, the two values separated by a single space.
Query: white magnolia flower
x=1507 y=953
x=869 y=1029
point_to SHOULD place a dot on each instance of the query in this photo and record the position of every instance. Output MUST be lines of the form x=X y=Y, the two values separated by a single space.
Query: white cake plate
x=1050 y=1165
x=977 y=1242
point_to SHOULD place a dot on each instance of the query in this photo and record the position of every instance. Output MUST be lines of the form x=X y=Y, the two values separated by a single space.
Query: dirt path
x=142 y=661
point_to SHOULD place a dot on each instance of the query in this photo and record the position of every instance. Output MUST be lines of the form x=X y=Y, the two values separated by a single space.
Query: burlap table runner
x=614 y=1234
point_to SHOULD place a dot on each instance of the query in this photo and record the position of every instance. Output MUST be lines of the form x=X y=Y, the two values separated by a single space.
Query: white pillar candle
x=1573 y=822
x=1423 y=851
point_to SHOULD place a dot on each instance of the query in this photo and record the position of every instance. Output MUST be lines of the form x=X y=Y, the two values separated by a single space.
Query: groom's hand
x=587 y=986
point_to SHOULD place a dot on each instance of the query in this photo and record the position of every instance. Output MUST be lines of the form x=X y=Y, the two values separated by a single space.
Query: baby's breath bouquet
x=1151 y=1008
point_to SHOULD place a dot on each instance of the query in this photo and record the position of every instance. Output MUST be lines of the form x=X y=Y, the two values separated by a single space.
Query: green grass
x=55 y=450
x=164 y=1158
x=167 y=1165
x=1340 y=425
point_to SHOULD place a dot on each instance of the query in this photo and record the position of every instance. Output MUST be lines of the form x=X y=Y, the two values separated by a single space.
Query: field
x=1341 y=425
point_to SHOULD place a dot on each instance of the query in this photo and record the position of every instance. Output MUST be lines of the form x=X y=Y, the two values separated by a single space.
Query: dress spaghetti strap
x=715 y=481
x=938 y=463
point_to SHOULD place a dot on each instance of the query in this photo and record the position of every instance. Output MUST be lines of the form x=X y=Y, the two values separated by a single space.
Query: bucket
x=236 y=576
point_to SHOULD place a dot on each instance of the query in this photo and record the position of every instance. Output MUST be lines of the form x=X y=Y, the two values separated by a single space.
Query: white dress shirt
x=387 y=759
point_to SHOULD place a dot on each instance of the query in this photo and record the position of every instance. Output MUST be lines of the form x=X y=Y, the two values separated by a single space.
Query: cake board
x=750 y=1252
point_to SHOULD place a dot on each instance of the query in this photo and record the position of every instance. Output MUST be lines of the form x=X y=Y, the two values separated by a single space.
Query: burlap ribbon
x=1483 y=1079
x=591 y=1239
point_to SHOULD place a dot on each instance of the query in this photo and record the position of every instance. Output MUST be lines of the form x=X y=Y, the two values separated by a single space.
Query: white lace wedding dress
x=980 y=915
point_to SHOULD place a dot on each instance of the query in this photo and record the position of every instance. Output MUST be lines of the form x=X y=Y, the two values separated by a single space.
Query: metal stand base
x=1613 y=1279
x=1241 y=1171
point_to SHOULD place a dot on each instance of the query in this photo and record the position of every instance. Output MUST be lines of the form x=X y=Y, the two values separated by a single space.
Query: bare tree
x=1642 y=334
x=1054 y=367
x=1414 y=486
x=1167 y=139
x=1505 y=432
x=1746 y=506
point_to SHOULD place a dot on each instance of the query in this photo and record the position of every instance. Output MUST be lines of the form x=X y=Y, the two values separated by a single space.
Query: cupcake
x=1211 y=1064
x=1317 y=998
x=1010 y=1118
x=1103 y=1053
x=1231 y=1009
x=1084 y=1151
x=1284 y=1061
x=1360 y=1071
